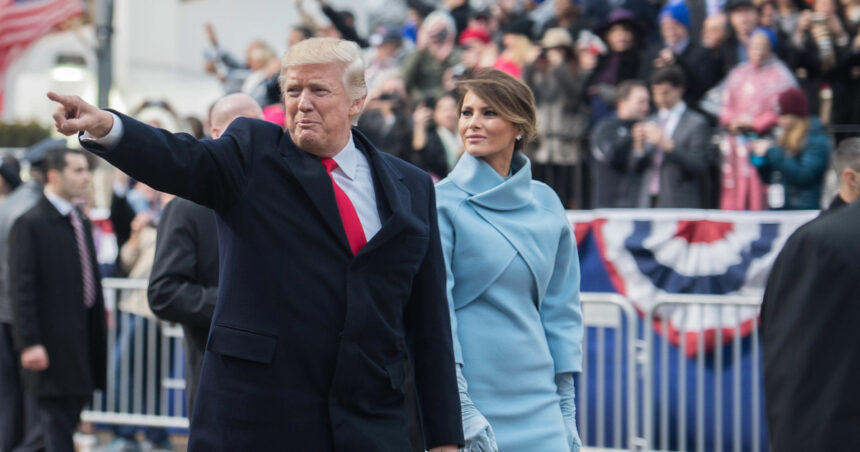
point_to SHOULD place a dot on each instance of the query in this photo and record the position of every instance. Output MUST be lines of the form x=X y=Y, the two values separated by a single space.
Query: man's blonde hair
x=328 y=51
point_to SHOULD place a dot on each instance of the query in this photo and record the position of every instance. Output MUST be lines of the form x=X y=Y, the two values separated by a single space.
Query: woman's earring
x=519 y=137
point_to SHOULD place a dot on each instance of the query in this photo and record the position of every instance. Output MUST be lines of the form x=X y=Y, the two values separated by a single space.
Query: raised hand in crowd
x=654 y=135
x=638 y=132
x=664 y=59
x=74 y=115
x=760 y=147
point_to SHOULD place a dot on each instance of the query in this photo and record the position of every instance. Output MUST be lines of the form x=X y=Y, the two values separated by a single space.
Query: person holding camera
x=557 y=83
x=821 y=46
x=423 y=70
x=794 y=164
x=618 y=154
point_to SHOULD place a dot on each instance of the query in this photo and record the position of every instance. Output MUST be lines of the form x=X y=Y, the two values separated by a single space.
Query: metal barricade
x=623 y=393
x=145 y=374
x=736 y=350
x=607 y=393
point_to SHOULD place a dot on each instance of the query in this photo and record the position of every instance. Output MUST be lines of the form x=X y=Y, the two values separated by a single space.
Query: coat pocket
x=243 y=344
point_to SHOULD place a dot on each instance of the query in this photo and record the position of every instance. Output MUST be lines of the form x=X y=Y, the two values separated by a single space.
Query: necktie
x=86 y=260
x=348 y=216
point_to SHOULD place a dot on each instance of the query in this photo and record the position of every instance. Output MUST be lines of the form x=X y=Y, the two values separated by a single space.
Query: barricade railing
x=726 y=342
x=623 y=398
x=607 y=389
x=145 y=371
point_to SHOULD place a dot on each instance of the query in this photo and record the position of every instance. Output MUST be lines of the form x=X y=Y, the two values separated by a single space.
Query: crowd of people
x=687 y=104
x=713 y=121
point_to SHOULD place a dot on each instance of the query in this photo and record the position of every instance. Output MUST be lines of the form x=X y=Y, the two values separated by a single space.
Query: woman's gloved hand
x=566 y=393
x=476 y=429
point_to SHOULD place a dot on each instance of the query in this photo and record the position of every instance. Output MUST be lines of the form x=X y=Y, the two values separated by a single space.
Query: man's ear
x=852 y=178
x=356 y=106
x=51 y=176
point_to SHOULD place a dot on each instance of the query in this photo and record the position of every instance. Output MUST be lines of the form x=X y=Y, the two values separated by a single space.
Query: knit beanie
x=793 y=102
x=678 y=11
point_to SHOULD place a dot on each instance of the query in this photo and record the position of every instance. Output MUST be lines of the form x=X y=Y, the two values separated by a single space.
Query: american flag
x=22 y=22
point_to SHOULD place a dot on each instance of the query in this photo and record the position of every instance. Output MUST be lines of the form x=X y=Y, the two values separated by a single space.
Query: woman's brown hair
x=511 y=99
x=793 y=140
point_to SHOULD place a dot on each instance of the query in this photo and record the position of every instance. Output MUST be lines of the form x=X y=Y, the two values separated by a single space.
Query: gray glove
x=476 y=429
x=566 y=392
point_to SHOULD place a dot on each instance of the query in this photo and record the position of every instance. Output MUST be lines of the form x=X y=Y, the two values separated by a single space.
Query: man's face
x=318 y=108
x=666 y=96
x=72 y=182
x=743 y=20
x=672 y=31
x=714 y=31
x=635 y=106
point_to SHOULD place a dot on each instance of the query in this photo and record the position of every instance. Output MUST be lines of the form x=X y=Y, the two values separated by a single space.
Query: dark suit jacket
x=684 y=170
x=809 y=331
x=309 y=344
x=183 y=284
x=46 y=289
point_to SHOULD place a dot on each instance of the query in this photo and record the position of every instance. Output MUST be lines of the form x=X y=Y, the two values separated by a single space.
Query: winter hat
x=678 y=11
x=793 y=102
x=771 y=36
x=477 y=33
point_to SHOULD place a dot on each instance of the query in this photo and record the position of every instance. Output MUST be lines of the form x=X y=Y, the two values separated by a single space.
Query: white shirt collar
x=675 y=111
x=347 y=158
x=63 y=206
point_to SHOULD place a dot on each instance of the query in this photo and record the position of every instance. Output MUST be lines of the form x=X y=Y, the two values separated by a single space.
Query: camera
x=440 y=37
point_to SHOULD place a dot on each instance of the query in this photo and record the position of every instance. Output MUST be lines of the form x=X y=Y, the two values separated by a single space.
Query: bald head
x=231 y=107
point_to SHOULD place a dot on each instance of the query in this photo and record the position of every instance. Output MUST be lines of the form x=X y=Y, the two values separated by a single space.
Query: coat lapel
x=316 y=183
x=392 y=188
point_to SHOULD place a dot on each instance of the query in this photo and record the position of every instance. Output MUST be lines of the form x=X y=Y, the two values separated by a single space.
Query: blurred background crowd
x=682 y=104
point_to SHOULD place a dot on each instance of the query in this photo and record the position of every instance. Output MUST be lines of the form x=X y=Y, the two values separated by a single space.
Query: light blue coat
x=513 y=293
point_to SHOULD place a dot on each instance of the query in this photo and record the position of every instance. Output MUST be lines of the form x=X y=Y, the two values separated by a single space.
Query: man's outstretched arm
x=209 y=172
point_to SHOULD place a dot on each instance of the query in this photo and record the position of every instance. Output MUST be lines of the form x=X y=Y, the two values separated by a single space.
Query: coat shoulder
x=547 y=198
x=835 y=235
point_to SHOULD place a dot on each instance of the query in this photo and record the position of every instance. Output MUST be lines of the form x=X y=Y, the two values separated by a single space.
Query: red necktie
x=348 y=216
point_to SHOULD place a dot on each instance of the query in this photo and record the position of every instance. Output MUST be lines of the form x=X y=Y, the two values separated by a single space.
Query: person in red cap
x=795 y=162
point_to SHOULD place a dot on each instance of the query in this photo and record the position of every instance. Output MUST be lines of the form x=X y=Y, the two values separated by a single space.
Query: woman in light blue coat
x=513 y=279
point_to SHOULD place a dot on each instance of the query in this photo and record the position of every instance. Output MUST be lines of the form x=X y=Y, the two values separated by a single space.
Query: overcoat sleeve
x=560 y=309
x=429 y=326
x=446 y=233
x=212 y=173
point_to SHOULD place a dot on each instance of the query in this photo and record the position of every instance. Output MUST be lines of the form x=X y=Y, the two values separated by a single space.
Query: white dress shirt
x=671 y=117
x=352 y=175
x=63 y=206
x=354 y=178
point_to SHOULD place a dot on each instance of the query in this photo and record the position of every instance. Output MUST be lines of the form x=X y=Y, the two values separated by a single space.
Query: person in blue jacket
x=795 y=164
x=513 y=279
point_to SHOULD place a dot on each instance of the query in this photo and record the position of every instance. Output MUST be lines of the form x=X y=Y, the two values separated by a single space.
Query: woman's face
x=446 y=113
x=759 y=49
x=787 y=122
x=483 y=131
x=619 y=37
